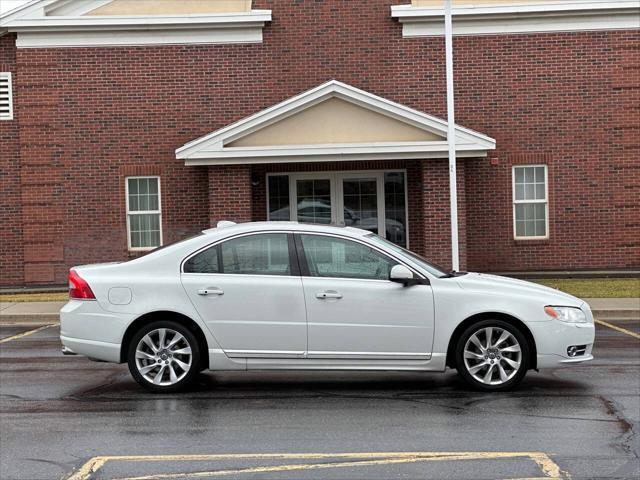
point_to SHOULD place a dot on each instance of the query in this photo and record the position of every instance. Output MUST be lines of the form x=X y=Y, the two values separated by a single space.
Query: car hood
x=496 y=284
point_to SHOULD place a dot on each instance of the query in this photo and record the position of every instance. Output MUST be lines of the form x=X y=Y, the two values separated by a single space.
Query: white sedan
x=281 y=295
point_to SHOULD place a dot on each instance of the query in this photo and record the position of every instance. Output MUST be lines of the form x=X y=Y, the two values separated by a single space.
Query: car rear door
x=353 y=310
x=249 y=292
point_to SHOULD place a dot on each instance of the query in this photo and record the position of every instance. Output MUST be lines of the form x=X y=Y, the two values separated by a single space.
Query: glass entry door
x=371 y=200
x=360 y=196
x=314 y=200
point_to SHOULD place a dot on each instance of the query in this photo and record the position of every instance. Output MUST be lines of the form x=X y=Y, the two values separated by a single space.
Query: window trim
x=335 y=177
x=304 y=265
x=520 y=202
x=9 y=78
x=294 y=261
x=142 y=212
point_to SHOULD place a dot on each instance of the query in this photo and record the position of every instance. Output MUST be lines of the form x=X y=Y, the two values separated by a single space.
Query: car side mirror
x=401 y=274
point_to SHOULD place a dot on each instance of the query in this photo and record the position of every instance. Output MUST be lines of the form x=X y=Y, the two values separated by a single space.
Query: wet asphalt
x=56 y=413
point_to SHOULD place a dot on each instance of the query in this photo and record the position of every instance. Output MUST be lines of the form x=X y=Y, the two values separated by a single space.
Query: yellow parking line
x=619 y=329
x=30 y=332
x=549 y=468
x=316 y=466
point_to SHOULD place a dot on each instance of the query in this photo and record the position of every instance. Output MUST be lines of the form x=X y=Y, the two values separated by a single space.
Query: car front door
x=353 y=310
x=249 y=292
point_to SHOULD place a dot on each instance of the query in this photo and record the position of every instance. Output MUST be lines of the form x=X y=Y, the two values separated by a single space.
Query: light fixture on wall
x=255 y=179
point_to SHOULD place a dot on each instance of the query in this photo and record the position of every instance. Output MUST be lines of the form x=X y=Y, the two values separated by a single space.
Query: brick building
x=127 y=124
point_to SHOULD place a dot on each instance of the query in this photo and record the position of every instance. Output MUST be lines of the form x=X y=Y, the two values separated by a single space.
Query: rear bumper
x=108 y=352
x=87 y=329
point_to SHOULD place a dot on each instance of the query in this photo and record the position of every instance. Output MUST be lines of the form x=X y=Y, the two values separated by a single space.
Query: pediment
x=333 y=121
x=171 y=7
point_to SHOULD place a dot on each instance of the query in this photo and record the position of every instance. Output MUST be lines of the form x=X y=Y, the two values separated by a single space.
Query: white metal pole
x=451 y=138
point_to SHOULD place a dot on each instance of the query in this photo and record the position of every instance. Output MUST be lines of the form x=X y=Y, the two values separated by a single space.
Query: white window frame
x=519 y=202
x=337 y=197
x=8 y=76
x=142 y=212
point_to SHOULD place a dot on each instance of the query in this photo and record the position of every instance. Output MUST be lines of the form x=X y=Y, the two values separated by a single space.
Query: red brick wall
x=230 y=193
x=571 y=101
x=86 y=116
x=11 y=272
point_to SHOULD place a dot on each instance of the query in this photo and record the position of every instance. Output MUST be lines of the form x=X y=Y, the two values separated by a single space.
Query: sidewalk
x=30 y=312
x=48 y=312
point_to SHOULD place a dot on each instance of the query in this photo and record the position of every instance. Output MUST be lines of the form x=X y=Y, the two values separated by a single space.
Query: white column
x=451 y=136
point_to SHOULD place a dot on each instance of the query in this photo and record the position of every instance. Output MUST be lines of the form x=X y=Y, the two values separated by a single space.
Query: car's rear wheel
x=164 y=356
x=492 y=355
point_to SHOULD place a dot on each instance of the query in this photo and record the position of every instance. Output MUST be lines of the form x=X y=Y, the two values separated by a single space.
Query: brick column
x=230 y=193
x=42 y=170
x=436 y=221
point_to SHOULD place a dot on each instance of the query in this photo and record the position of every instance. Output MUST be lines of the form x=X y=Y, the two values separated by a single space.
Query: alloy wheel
x=163 y=357
x=492 y=355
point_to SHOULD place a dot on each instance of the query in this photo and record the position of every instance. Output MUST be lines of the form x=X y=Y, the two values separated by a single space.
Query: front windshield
x=423 y=262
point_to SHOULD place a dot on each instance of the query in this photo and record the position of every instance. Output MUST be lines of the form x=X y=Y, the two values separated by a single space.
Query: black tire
x=494 y=360
x=185 y=377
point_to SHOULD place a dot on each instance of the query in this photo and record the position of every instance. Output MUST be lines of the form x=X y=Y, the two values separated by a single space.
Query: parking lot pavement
x=67 y=417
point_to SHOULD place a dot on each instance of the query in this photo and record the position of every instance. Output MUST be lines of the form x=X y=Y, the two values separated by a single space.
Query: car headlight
x=566 y=314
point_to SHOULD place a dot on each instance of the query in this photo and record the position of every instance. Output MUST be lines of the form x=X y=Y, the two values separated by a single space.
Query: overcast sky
x=6 y=5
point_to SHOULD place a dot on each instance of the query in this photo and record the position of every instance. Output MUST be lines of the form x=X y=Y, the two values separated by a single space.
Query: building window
x=144 y=219
x=530 y=202
x=6 y=96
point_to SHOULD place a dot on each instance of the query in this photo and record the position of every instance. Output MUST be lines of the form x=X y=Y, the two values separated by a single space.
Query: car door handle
x=211 y=291
x=328 y=294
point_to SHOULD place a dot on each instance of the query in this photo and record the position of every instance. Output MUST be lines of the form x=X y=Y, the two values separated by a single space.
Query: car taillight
x=79 y=289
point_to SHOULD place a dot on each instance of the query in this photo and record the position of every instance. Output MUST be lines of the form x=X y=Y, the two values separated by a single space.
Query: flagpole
x=453 y=191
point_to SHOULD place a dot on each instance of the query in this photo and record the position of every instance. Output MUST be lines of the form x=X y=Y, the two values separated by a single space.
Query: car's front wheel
x=163 y=356
x=492 y=355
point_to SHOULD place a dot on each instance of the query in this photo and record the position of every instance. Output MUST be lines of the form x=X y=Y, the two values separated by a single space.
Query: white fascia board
x=178 y=21
x=327 y=153
x=334 y=157
x=529 y=18
x=37 y=30
x=408 y=11
x=125 y=37
x=333 y=88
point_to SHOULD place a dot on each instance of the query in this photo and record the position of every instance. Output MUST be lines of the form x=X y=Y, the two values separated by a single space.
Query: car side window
x=204 y=262
x=262 y=254
x=337 y=257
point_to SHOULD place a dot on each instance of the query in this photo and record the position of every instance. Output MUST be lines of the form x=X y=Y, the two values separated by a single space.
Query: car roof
x=229 y=228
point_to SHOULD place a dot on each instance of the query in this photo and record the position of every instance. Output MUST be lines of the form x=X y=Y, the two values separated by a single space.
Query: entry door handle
x=328 y=294
x=211 y=291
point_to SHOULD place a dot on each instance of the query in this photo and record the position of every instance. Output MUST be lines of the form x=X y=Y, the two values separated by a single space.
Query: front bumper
x=554 y=337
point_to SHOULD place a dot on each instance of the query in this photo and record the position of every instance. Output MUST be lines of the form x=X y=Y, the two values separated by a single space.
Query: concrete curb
x=29 y=319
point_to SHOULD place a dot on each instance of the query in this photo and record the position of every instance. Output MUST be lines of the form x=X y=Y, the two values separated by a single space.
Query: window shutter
x=6 y=100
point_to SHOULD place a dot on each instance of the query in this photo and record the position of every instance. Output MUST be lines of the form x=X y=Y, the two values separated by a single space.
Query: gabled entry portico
x=335 y=154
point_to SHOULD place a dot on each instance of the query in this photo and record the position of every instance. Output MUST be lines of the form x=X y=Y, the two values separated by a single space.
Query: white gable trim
x=70 y=28
x=563 y=15
x=212 y=150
